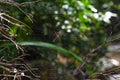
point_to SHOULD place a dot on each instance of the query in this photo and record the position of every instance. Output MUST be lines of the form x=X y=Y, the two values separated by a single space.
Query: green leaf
x=47 y=45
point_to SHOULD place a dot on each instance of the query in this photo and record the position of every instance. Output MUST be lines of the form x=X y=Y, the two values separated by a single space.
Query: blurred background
x=58 y=36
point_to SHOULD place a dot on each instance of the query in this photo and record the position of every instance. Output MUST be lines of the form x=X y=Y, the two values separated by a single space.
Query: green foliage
x=46 y=45
x=62 y=25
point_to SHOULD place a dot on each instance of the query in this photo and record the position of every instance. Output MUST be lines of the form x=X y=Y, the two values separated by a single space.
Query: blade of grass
x=47 y=45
